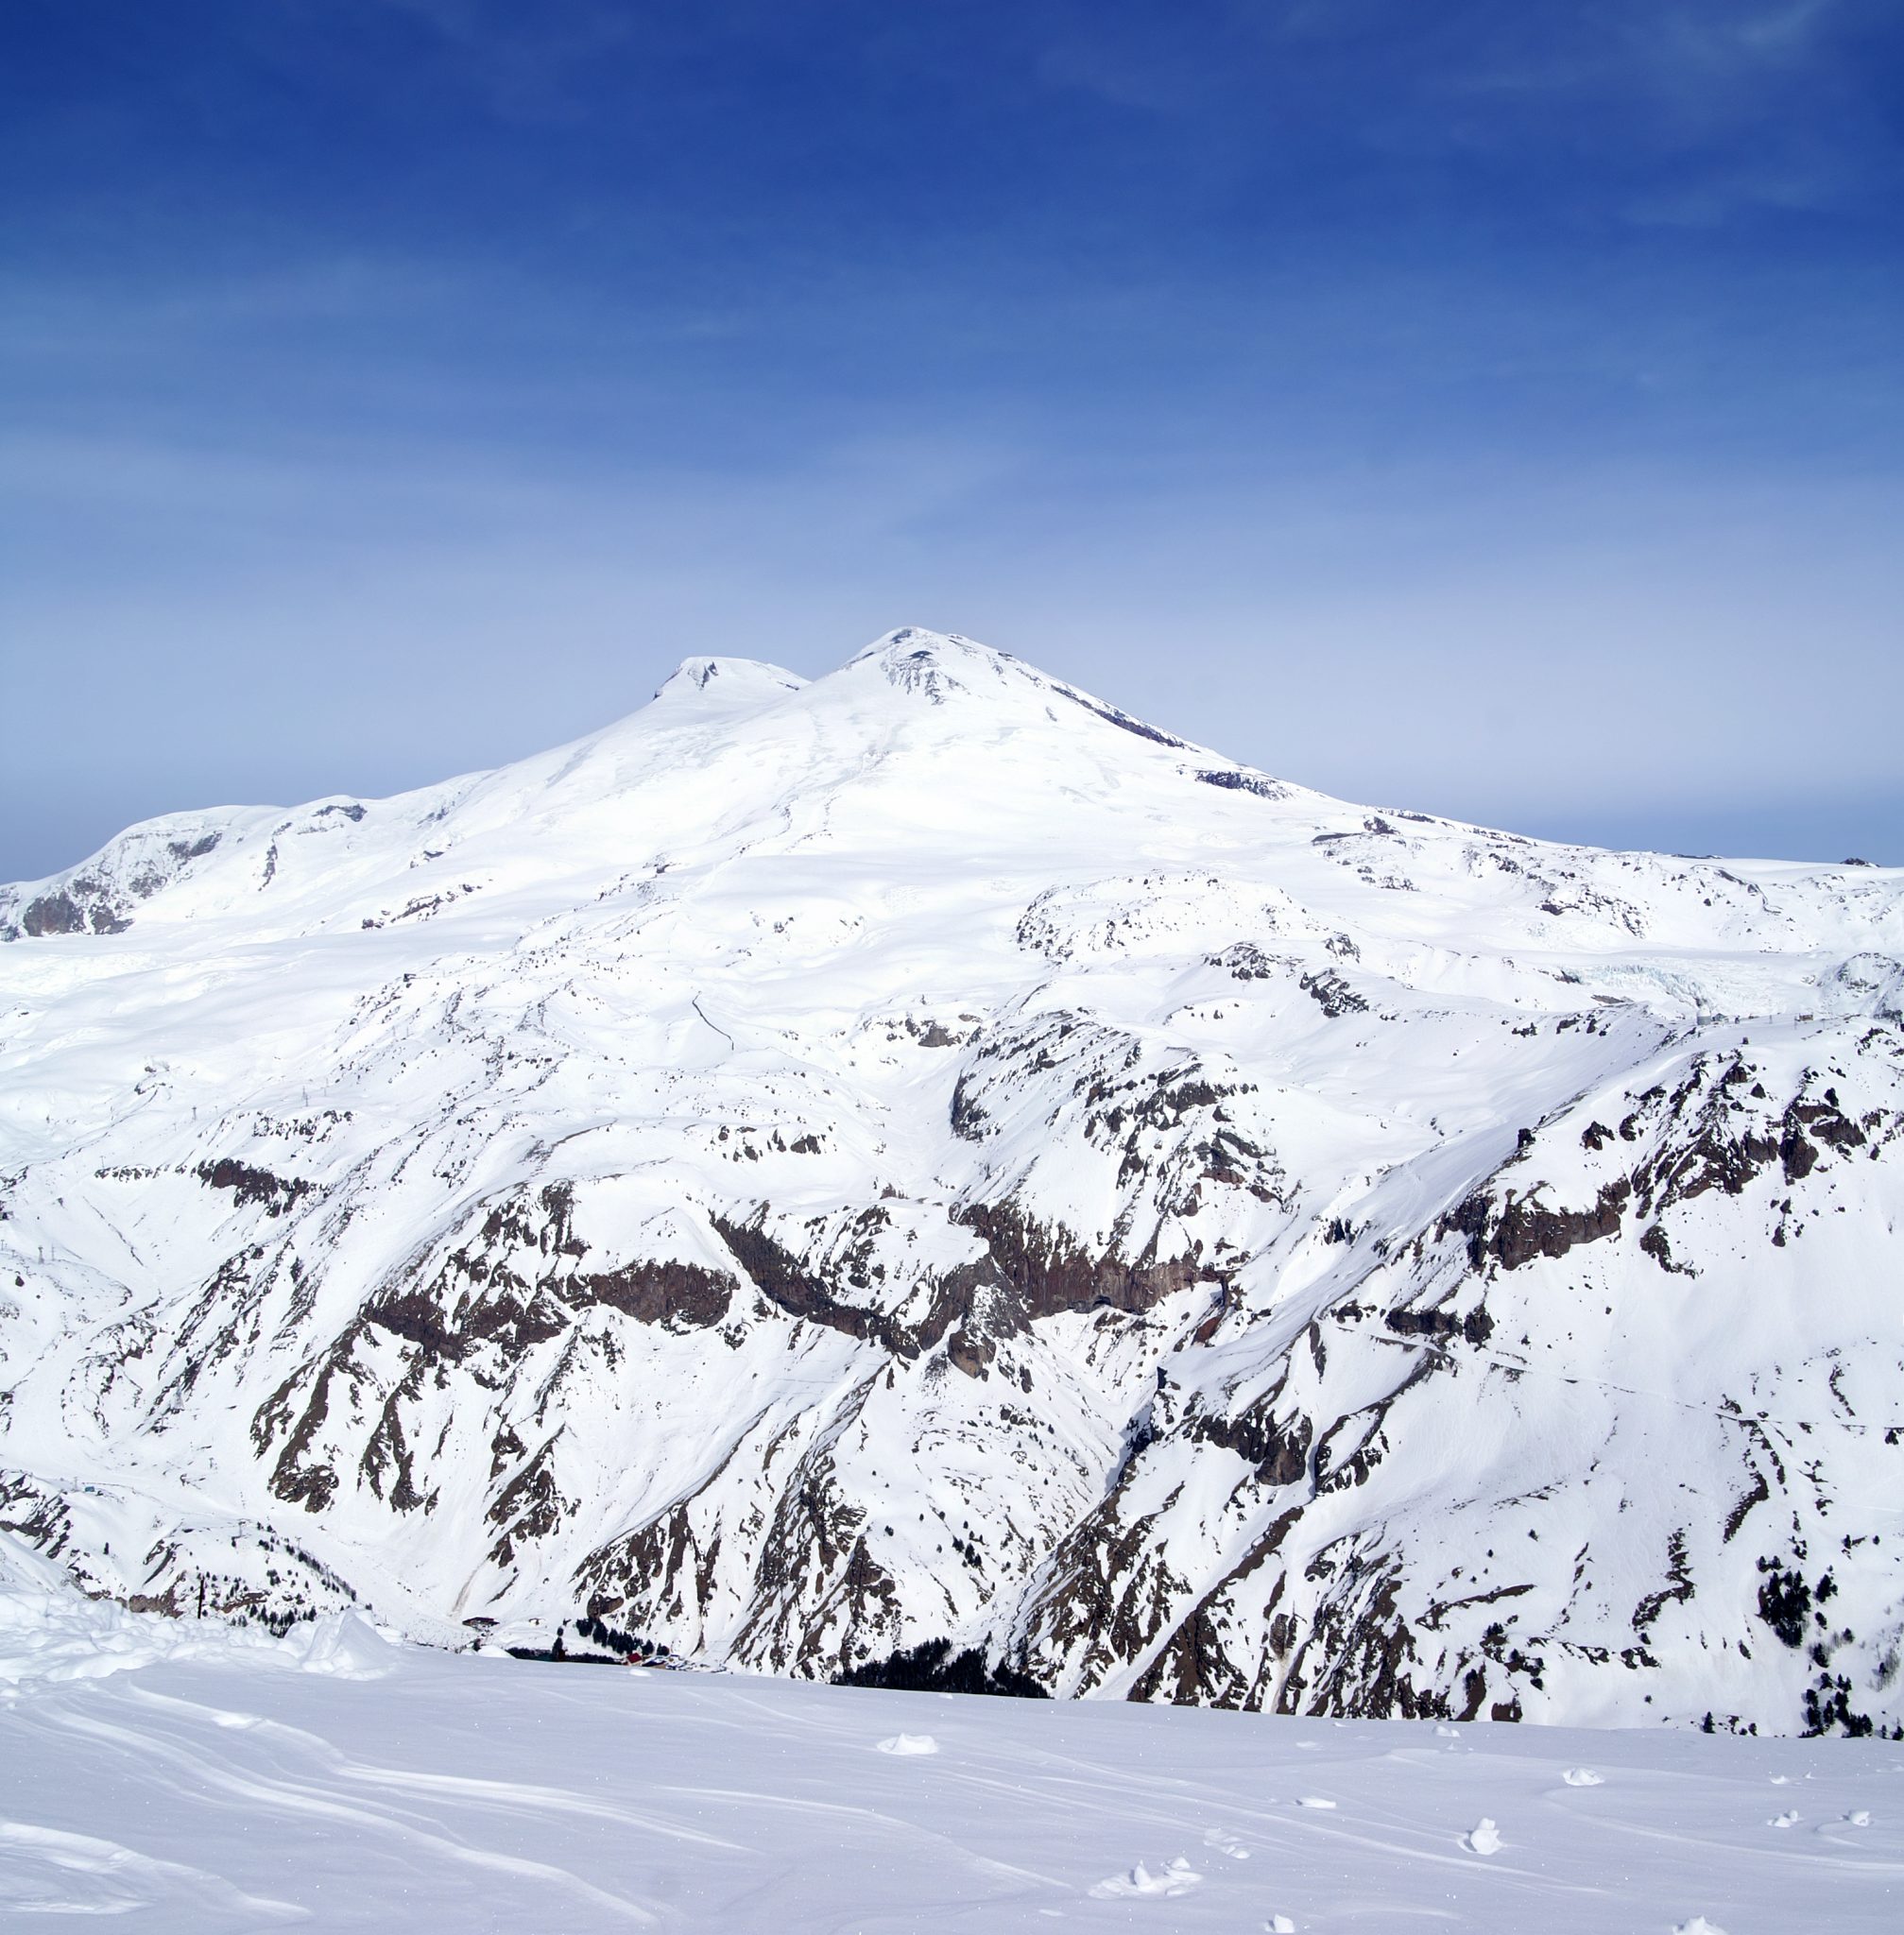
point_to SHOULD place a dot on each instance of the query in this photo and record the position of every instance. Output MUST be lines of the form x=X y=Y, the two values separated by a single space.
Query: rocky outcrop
x=1045 y=1270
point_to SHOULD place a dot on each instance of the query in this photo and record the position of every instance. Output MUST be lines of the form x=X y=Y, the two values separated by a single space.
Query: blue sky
x=1492 y=408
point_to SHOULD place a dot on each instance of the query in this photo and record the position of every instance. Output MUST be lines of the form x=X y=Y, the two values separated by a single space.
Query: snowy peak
x=906 y=725
x=941 y=664
x=750 y=681
x=919 y=644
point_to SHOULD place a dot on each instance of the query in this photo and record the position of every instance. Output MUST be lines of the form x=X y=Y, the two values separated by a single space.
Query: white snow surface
x=821 y=1167
x=217 y=1782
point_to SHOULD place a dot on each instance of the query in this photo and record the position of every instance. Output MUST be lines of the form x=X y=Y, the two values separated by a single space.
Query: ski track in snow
x=236 y=1792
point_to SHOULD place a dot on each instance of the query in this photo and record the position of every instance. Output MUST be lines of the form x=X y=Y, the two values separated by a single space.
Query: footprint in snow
x=1698 y=1925
x=1226 y=1844
x=1582 y=1778
x=1788 y=1819
x=1279 y=1924
x=1315 y=1801
x=1483 y=1838
x=910 y=1743
x=1175 y=1877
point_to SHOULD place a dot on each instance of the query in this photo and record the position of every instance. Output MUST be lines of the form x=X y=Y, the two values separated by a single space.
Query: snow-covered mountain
x=821 y=1167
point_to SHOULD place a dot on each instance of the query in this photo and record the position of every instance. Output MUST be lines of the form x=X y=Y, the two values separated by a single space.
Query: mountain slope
x=821 y=1165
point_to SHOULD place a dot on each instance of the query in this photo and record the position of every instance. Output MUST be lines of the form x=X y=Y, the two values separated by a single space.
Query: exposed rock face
x=98 y=898
x=1518 y=1230
x=1045 y=1270
x=54 y=913
x=744 y=1180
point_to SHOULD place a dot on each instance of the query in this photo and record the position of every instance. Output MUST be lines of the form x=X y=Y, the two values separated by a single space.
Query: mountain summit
x=821 y=1167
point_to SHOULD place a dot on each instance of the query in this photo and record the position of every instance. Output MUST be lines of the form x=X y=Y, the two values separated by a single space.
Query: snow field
x=234 y=1792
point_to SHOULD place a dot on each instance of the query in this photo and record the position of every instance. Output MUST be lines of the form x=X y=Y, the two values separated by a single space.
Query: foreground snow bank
x=49 y=1633
x=207 y=1784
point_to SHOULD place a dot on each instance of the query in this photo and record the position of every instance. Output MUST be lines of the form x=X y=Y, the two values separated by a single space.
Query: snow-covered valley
x=817 y=1168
